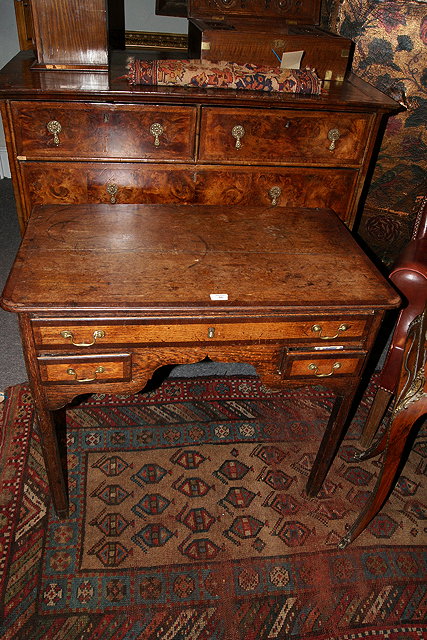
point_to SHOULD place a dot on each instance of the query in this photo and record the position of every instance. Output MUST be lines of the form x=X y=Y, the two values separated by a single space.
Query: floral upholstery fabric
x=222 y=75
x=391 y=53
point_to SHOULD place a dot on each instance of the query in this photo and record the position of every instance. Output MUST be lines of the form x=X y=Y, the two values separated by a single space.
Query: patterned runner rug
x=189 y=520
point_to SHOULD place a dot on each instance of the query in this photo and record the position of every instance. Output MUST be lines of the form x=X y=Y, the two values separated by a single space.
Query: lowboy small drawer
x=55 y=129
x=321 y=331
x=81 y=370
x=313 y=365
x=283 y=137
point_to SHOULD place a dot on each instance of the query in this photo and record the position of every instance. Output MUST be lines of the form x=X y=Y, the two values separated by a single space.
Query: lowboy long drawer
x=56 y=129
x=283 y=136
x=322 y=331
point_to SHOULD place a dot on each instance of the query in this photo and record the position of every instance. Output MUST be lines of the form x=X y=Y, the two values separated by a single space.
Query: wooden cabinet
x=70 y=34
x=77 y=137
x=299 y=11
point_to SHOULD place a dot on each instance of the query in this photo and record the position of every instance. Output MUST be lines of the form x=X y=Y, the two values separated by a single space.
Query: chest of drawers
x=91 y=138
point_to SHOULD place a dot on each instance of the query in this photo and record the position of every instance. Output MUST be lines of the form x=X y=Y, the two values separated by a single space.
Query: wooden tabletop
x=156 y=257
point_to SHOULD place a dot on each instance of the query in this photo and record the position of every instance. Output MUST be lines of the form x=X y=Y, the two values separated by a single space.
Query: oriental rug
x=189 y=520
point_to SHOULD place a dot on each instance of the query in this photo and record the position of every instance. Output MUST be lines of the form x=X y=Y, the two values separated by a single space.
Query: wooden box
x=296 y=11
x=70 y=34
x=261 y=43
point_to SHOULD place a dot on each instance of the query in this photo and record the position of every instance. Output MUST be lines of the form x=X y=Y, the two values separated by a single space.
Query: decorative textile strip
x=222 y=75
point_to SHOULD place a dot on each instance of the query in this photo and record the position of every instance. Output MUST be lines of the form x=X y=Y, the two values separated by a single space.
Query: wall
x=9 y=47
x=139 y=16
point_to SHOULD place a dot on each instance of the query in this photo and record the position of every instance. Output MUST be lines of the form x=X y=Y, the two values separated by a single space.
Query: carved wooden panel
x=302 y=11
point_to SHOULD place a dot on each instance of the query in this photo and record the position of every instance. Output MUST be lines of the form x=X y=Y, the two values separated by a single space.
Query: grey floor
x=12 y=367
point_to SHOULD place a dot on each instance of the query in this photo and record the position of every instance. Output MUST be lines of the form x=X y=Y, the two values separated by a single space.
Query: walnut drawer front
x=312 y=365
x=287 y=187
x=109 y=183
x=323 y=331
x=243 y=135
x=84 y=369
x=61 y=130
x=135 y=183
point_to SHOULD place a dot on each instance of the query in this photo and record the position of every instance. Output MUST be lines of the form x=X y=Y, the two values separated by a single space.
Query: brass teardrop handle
x=112 y=191
x=54 y=127
x=95 y=335
x=156 y=130
x=314 y=367
x=238 y=132
x=274 y=193
x=333 y=136
x=317 y=328
x=73 y=372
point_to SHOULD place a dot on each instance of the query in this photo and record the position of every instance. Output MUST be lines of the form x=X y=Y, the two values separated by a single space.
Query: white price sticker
x=219 y=296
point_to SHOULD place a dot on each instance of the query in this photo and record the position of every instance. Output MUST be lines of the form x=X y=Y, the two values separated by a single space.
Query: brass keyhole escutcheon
x=156 y=130
x=54 y=127
x=238 y=132
x=274 y=193
x=211 y=332
x=112 y=192
x=333 y=136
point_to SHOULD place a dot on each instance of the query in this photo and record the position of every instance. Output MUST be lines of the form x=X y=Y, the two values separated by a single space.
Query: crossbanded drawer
x=327 y=365
x=136 y=183
x=308 y=187
x=84 y=369
x=97 y=131
x=321 y=332
x=109 y=183
x=283 y=136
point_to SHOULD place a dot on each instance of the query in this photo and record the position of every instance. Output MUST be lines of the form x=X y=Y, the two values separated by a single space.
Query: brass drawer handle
x=274 y=193
x=112 y=192
x=156 y=130
x=211 y=332
x=96 y=334
x=317 y=328
x=72 y=372
x=314 y=367
x=333 y=136
x=54 y=127
x=238 y=132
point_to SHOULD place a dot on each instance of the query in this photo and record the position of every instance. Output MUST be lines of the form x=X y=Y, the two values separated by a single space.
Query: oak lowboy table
x=108 y=294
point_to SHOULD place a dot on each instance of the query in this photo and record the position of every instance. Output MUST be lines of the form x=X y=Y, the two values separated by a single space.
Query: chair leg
x=398 y=435
x=376 y=413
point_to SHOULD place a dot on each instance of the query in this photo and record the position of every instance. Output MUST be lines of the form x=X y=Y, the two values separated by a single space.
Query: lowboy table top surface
x=158 y=257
